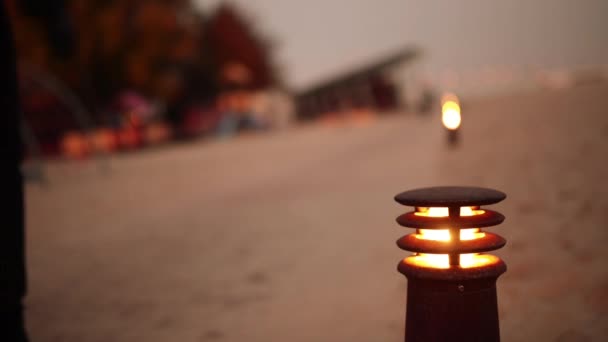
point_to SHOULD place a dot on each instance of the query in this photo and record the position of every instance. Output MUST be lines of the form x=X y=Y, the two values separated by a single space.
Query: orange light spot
x=442 y=260
x=450 y=111
x=444 y=234
x=443 y=211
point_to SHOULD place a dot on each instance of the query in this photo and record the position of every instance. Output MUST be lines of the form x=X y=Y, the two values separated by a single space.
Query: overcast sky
x=318 y=38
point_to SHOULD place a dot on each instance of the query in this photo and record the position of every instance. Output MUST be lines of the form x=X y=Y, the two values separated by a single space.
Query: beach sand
x=290 y=236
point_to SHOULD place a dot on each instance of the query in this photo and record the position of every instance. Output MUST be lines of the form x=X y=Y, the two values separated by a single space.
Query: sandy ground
x=291 y=236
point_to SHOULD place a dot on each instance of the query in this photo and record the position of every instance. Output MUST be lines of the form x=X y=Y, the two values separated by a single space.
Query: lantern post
x=451 y=293
x=451 y=117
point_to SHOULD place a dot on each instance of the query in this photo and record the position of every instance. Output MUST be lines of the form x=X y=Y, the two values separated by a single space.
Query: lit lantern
x=451 y=281
x=450 y=116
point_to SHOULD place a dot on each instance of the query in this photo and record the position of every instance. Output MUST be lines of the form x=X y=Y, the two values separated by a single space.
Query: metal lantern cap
x=450 y=196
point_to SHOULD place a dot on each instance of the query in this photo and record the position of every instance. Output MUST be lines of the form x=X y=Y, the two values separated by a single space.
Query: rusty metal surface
x=488 y=242
x=449 y=196
x=487 y=219
x=439 y=310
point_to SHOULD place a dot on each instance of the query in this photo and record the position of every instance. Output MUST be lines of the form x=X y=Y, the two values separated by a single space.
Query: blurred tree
x=162 y=49
x=118 y=43
x=233 y=41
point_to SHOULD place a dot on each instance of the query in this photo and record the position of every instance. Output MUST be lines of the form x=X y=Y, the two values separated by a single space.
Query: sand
x=290 y=236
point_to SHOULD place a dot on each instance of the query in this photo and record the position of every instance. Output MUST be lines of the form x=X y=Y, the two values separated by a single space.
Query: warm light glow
x=442 y=260
x=450 y=115
x=444 y=211
x=450 y=111
x=445 y=97
x=444 y=234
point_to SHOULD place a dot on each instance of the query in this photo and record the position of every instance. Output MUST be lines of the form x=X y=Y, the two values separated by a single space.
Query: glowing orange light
x=450 y=111
x=442 y=260
x=450 y=115
x=444 y=212
x=446 y=97
x=444 y=234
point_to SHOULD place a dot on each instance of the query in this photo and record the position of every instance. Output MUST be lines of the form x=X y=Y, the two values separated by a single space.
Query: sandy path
x=290 y=236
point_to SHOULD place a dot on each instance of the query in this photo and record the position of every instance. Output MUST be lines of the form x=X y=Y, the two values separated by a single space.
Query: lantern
x=451 y=293
x=450 y=116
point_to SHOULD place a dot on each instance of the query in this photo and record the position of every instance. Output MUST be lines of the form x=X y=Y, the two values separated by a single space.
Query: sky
x=320 y=38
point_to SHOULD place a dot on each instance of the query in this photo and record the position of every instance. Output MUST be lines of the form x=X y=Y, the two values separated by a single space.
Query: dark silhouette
x=13 y=282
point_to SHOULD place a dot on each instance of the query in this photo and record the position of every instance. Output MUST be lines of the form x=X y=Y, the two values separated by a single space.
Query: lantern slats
x=487 y=219
x=488 y=242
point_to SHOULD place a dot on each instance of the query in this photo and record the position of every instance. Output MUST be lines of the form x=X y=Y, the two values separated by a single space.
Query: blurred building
x=377 y=86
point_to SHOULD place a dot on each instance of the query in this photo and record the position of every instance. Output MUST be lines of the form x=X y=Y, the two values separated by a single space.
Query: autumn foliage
x=164 y=50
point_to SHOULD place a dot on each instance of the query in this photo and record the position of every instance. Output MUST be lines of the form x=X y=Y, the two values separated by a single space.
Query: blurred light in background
x=450 y=111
